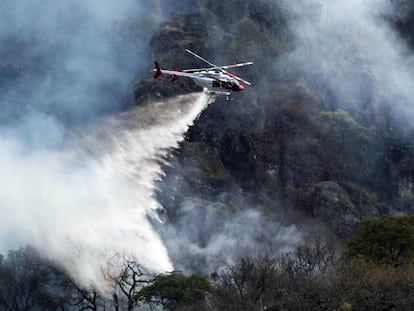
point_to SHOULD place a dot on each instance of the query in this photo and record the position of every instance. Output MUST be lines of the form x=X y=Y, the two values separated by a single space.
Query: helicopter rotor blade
x=236 y=65
x=197 y=69
x=237 y=78
x=199 y=57
x=221 y=68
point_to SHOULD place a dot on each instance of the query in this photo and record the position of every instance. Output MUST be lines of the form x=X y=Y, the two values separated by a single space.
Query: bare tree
x=125 y=277
x=29 y=282
x=129 y=281
x=246 y=285
x=85 y=299
x=314 y=258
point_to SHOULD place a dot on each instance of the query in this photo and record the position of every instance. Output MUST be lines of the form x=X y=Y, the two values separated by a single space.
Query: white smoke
x=77 y=192
x=208 y=236
x=90 y=201
x=347 y=49
x=350 y=49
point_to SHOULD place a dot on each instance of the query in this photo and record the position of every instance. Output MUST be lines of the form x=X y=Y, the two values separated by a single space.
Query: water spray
x=91 y=202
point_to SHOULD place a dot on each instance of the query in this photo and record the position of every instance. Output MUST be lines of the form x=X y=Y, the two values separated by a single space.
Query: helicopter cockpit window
x=235 y=86
x=227 y=85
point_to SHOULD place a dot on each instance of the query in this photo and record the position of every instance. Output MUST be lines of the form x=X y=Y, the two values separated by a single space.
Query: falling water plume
x=92 y=200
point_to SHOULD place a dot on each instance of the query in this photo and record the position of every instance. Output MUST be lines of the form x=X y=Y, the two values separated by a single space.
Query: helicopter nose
x=241 y=88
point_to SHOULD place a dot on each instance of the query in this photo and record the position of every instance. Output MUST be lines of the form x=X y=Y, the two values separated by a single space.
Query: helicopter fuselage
x=217 y=81
x=214 y=80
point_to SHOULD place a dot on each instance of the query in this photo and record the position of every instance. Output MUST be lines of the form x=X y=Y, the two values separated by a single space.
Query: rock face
x=330 y=203
x=287 y=138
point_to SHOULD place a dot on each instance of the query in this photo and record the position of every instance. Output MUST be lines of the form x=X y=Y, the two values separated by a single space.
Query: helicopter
x=214 y=80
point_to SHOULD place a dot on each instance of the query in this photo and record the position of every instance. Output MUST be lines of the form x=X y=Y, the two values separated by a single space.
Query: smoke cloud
x=351 y=54
x=210 y=235
x=75 y=183
x=350 y=50
x=67 y=60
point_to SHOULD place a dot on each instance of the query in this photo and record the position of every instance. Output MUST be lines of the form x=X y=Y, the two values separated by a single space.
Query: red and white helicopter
x=215 y=80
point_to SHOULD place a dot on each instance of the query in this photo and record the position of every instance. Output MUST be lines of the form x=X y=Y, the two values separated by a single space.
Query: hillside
x=291 y=144
x=121 y=192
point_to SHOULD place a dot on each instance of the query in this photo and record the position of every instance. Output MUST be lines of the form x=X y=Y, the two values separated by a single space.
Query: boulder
x=329 y=202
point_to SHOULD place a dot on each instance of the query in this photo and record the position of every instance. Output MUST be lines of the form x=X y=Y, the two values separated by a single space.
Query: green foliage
x=173 y=289
x=345 y=129
x=384 y=240
x=249 y=35
x=348 y=141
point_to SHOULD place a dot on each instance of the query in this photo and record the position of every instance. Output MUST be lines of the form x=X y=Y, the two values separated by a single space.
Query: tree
x=175 y=290
x=249 y=284
x=388 y=241
x=346 y=130
x=29 y=282
x=129 y=282
x=363 y=285
x=126 y=277
x=295 y=281
x=317 y=257
x=348 y=140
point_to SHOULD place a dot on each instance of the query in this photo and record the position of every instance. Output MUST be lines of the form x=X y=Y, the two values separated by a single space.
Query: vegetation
x=288 y=137
x=344 y=130
x=388 y=241
x=173 y=290
x=315 y=276
x=288 y=142
x=30 y=282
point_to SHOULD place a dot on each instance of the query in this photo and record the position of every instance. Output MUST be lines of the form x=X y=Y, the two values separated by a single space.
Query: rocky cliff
x=287 y=141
